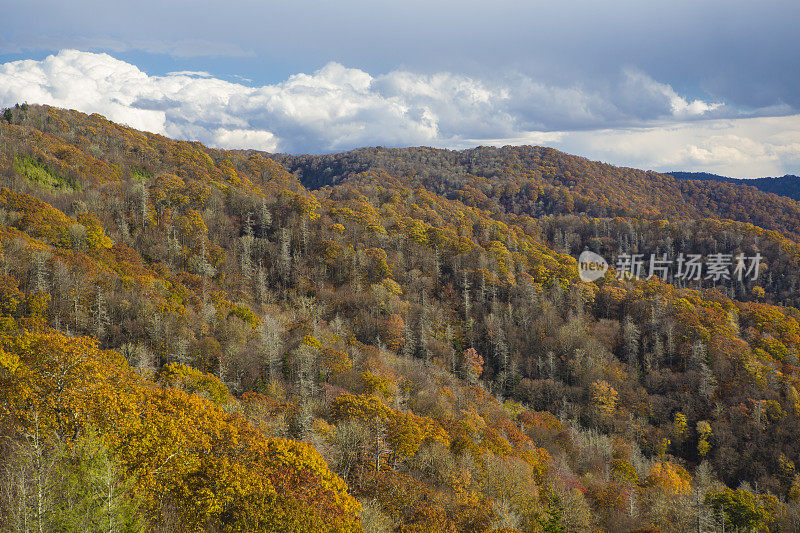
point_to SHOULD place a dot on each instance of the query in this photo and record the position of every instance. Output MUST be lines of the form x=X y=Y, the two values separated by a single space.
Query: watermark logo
x=689 y=267
x=715 y=267
x=591 y=266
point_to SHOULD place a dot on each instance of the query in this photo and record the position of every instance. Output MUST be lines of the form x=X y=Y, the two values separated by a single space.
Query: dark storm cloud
x=743 y=52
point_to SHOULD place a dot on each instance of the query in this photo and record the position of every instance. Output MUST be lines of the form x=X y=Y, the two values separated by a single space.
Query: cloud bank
x=635 y=120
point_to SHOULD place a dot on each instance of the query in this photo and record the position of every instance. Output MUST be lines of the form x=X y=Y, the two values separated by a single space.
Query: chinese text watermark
x=684 y=267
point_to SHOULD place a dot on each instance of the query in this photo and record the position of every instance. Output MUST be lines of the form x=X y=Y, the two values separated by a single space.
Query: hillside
x=788 y=185
x=537 y=181
x=382 y=340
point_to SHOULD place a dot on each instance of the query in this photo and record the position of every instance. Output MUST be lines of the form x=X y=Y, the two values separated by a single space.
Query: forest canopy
x=382 y=340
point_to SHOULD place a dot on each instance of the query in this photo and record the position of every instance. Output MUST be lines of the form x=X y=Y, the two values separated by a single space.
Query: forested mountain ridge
x=787 y=185
x=537 y=181
x=192 y=339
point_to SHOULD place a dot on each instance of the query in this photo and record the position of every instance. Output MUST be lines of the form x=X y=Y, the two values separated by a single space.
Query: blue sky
x=700 y=85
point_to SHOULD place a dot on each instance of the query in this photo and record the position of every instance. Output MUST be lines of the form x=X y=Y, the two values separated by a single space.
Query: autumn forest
x=383 y=340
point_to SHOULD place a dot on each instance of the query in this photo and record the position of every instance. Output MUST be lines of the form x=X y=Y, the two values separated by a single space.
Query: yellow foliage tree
x=184 y=455
x=604 y=397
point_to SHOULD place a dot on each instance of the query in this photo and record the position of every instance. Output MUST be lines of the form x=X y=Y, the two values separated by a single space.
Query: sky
x=700 y=85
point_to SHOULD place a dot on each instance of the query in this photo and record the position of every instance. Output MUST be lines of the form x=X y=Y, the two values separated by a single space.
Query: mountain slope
x=788 y=185
x=416 y=318
x=537 y=181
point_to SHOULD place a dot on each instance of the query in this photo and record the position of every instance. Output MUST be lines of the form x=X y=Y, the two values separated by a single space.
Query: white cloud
x=744 y=147
x=663 y=96
x=95 y=83
x=196 y=73
x=235 y=139
x=637 y=121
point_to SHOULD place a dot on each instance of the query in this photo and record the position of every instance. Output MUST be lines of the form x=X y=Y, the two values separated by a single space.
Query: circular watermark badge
x=591 y=266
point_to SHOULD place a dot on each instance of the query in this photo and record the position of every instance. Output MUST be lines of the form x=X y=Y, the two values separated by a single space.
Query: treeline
x=536 y=181
x=787 y=185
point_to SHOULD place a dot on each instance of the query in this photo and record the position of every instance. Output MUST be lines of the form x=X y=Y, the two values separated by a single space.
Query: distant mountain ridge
x=788 y=185
x=538 y=181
